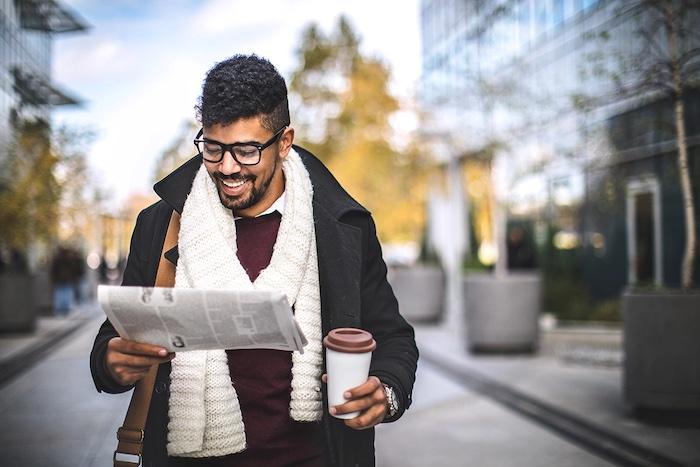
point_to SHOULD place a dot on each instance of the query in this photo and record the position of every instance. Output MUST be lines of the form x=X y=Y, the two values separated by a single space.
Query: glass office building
x=593 y=170
x=27 y=30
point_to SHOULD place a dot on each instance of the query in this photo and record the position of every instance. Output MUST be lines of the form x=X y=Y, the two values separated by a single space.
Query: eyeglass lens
x=246 y=154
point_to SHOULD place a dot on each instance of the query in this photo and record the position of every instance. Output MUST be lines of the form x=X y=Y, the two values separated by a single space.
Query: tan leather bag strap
x=131 y=433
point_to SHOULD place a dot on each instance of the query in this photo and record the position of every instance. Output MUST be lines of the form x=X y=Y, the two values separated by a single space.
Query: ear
x=286 y=141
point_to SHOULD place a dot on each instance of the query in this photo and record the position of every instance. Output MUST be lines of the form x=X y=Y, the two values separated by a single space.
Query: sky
x=140 y=67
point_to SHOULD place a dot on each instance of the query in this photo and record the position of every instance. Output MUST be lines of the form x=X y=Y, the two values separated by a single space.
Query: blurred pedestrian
x=521 y=251
x=77 y=265
x=63 y=279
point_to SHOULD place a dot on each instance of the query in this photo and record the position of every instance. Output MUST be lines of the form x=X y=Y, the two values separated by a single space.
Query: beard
x=246 y=200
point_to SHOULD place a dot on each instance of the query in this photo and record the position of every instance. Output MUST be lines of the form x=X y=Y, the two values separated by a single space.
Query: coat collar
x=329 y=196
x=175 y=187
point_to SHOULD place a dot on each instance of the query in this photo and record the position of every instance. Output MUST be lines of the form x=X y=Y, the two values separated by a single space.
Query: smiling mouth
x=234 y=187
x=233 y=183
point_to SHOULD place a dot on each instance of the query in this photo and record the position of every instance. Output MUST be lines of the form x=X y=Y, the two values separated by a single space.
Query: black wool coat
x=354 y=293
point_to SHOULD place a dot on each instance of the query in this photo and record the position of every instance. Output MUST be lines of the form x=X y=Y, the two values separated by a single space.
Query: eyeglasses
x=243 y=153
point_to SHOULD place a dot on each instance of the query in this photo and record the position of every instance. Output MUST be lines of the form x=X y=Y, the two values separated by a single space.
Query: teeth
x=231 y=184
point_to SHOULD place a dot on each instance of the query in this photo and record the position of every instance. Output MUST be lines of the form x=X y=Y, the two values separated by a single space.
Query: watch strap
x=391 y=400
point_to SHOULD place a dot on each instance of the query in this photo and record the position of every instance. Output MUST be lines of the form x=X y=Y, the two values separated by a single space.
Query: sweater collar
x=277 y=206
x=174 y=188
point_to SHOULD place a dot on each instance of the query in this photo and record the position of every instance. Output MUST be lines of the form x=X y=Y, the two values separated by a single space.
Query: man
x=258 y=212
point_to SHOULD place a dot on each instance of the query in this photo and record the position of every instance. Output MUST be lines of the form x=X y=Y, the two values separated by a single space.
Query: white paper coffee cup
x=348 y=356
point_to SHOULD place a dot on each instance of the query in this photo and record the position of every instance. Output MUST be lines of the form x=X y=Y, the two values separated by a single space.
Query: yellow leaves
x=42 y=167
x=395 y=193
x=343 y=118
x=367 y=103
x=28 y=200
x=477 y=179
x=381 y=178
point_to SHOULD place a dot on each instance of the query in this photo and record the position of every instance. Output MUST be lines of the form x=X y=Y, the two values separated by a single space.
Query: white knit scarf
x=205 y=416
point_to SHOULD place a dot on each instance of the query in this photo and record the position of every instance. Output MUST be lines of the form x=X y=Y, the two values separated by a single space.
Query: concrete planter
x=43 y=296
x=17 y=305
x=420 y=290
x=662 y=345
x=502 y=312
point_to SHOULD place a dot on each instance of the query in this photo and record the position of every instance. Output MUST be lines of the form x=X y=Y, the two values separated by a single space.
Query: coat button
x=161 y=387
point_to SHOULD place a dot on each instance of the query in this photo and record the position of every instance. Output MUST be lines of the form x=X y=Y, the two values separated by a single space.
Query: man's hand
x=369 y=399
x=128 y=361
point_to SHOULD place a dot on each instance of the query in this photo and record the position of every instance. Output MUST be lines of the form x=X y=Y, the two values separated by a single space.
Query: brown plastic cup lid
x=349 y=340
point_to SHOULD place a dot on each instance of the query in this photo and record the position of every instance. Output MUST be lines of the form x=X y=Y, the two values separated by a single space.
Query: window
x=557 y=12
x=586 y=4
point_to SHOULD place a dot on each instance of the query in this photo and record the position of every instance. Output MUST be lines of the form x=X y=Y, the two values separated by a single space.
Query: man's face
x=248 y=190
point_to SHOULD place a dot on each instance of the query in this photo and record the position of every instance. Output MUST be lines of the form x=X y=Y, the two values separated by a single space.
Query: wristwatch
x=391 y=402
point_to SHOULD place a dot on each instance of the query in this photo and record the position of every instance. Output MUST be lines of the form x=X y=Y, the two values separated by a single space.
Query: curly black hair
x=243 y=86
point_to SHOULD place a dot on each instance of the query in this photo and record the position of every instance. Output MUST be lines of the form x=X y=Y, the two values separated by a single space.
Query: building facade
x=29 y=190
x=27 y=30
x=556 y=95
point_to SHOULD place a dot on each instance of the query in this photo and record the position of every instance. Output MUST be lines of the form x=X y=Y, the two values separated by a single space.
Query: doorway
x=644 y=255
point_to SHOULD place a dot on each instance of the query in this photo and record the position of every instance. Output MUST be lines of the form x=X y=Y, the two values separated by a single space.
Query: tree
x=678 y=67
x=666 y=63
x=342 y=110
x=79 y=197
x=30 y=191
x=316 y=86
x=43 y=181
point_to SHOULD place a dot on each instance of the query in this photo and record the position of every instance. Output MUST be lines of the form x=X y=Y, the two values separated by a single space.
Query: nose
x=228 y=164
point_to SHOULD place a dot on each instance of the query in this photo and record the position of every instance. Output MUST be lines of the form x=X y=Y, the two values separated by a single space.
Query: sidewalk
x=576 y=377
x=53 y=413
x=57 y=418
x=19 y=350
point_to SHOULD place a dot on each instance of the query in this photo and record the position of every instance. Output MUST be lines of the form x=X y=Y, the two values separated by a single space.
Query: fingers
x=137 y=362
x=129 y=361
x=368 y=387
x=371 y=417
x=369 y=399
x=355 y=405
x=127 y=378
x=361 y=398
x=135 y=354
x=136 y=348
x=127 y=369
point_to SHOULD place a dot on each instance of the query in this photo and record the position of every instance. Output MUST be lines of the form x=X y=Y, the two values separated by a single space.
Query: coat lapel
x=339 y=266
x=174 y=190
x=339 y=247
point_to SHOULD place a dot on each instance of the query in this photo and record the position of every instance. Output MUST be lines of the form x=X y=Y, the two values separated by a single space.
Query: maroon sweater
x=263 y=379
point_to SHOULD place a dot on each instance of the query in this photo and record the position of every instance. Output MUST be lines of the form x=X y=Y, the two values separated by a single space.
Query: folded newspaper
x=197 y=319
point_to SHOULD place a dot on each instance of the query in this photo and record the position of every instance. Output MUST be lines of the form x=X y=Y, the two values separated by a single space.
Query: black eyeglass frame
x=229 y=147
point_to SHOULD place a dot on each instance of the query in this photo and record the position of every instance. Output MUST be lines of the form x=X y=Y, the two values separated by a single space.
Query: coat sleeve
x=133 y=275
x=395 y=359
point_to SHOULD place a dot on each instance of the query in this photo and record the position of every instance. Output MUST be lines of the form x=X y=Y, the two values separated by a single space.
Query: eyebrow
x=209 y=140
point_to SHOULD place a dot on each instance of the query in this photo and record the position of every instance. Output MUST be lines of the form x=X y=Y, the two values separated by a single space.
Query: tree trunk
x=688 y=202
x=683 y=170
